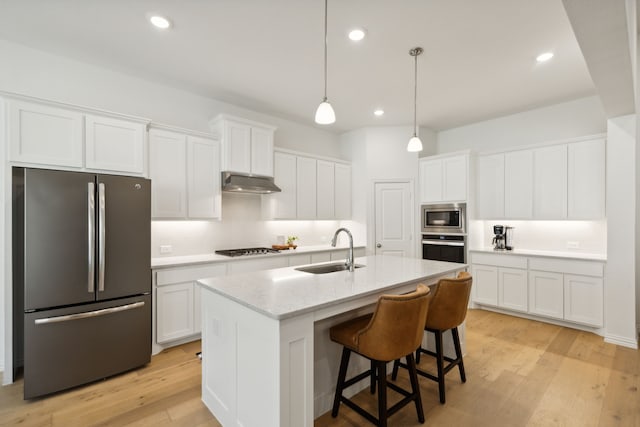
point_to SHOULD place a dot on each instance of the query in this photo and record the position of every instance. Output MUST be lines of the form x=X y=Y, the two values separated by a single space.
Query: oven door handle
x=442 y=243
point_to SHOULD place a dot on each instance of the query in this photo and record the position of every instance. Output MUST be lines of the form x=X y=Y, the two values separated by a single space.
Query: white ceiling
x=479 y=59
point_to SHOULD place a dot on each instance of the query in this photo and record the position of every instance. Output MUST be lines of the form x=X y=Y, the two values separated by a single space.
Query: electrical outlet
x=573 y=245
x=166 y=249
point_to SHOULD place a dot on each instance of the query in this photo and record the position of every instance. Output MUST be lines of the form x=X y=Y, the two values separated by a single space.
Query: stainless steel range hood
x=243 y=183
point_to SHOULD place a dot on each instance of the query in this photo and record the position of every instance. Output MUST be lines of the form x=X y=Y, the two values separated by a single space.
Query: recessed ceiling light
x=543 y=57
x=357 y=34
x=379 y=112
x=160 y=22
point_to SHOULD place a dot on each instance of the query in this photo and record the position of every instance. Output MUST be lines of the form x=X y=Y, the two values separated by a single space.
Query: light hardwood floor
x=519 y=373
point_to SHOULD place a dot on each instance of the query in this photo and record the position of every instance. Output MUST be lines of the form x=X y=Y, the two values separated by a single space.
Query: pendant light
x=414 y=143
x=325 y=114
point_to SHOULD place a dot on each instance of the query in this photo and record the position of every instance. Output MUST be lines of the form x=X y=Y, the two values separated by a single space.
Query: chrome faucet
x=349 y=263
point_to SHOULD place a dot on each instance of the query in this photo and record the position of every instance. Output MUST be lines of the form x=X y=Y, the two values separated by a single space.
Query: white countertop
x=550 y=254
x=175 y=261
x=285 y=292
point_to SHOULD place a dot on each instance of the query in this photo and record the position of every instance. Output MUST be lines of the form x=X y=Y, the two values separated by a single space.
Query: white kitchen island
x=267 y=358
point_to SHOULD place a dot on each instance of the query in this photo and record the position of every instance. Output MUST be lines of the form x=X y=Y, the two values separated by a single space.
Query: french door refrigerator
x=82 y=276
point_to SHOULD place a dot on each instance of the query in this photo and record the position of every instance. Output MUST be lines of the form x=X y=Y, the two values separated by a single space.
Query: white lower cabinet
x=556 y=288
x=485 y=284
x=546 y=294
x=512 y=289
x=175 y=305
x=583 y=299
x=177 y=311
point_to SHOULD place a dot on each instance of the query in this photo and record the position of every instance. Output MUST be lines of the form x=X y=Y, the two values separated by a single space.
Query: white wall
x=571 y=119
x=380 y=153
x=620 y=286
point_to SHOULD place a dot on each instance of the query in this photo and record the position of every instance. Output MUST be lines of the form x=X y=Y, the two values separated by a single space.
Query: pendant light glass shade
x=414 y=143
x=325 y=114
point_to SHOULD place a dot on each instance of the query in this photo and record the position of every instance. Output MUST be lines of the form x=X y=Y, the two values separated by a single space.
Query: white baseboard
x=621 y=341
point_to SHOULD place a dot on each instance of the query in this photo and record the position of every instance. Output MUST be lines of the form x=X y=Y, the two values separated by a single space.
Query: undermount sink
x=327 y=268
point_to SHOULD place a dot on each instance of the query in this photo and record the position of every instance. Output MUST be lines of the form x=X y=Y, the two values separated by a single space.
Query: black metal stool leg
x=396 y=365
x=440 y=363
x=372 y=386
x=456 y=343
x=415 y=387
x=344 y=363
x=382 y=393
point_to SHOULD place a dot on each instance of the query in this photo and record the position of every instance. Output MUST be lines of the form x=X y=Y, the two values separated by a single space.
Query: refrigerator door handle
x=102 y=236
x=91 y=213
x=88 y=314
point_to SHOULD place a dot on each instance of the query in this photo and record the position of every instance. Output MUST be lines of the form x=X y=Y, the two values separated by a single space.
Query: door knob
x=378 y=245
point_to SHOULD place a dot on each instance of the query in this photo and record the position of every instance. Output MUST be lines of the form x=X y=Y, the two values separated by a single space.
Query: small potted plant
x=291 y=240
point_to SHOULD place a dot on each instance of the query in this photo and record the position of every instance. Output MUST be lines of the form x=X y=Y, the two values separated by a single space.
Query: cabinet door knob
x=378 y=245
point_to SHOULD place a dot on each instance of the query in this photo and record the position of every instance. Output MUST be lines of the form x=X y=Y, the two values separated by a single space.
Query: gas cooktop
x=247 y=251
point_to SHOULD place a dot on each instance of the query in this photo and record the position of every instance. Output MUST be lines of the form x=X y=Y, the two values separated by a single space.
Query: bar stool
x=447 y=311
x=394 y=330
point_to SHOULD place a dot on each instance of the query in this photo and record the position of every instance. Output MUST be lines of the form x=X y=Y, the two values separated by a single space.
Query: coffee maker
x=499 y=241
x=503 y=238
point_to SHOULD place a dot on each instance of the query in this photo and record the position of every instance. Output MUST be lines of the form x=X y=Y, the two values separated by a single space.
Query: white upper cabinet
x=203 y=178
x=168 y=171
x=518 y=184
x=312 y=188
x=430 y=181
x=282 y=205
x=247 y=146
x=561 y=181
x=490 y=186
x=343 y=191
x=586 y=179
x=454 y=178
x=185 y=175
x=306 y=187
x=262 y=151
x=114 y=144
x=57 y=135
x=44 y=135
x=443 y=179
x=325 y=187
x=550 y=182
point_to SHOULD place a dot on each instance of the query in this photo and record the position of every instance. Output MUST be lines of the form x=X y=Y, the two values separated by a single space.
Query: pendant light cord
x=415 y=96
x=325 y=49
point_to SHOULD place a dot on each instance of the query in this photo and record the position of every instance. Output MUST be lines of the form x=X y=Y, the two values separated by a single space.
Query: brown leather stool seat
x=394 y=330
x=447 y=311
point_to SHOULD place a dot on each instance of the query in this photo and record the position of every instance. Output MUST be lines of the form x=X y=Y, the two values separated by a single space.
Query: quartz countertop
x=176 y=261
x=549 y=254
x=286 y=292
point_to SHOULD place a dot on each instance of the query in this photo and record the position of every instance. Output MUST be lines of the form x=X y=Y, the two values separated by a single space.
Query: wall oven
x=444 y=247
x=445 y=218
x=444 y=232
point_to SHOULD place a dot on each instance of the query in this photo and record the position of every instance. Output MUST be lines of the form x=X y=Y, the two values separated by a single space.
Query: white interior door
x=393 y=218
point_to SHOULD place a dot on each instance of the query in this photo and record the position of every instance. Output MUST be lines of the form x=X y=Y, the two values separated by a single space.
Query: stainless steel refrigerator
x=82 y=276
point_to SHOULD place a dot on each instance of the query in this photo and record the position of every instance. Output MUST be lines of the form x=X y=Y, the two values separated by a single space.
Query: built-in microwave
x=444 y=218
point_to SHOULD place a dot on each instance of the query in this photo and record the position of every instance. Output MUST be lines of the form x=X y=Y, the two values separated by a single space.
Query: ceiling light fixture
x=160 y=22
x=414 y=143
x=544 y=57
x=357 y=34
x=379 y=112
x=325 y=114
